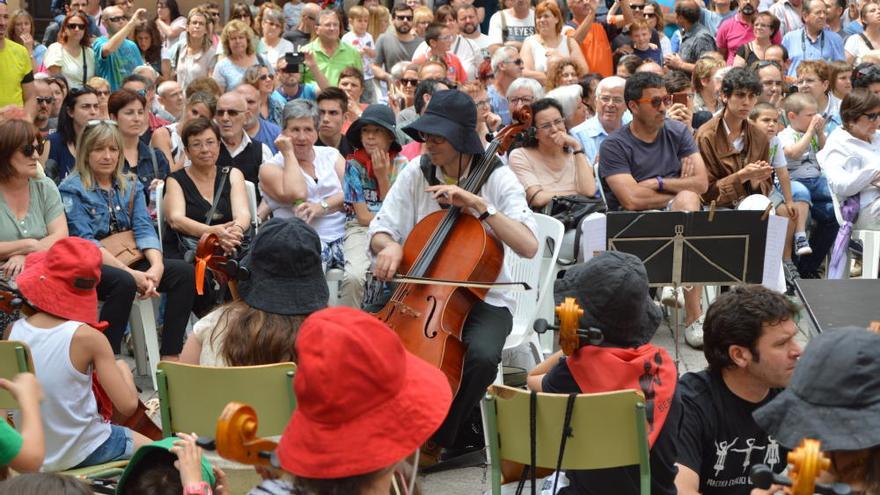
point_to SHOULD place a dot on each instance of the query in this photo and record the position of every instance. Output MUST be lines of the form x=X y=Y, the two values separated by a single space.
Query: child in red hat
x=66 y=347
x=364 y=404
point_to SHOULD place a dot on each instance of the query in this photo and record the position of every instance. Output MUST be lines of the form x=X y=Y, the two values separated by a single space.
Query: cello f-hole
x=432 y=307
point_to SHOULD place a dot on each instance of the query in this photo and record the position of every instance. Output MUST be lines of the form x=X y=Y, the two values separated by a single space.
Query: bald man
x=239 y=150
x=116 y=56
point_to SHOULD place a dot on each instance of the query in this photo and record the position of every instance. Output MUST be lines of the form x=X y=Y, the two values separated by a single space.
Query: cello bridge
x=407 y=310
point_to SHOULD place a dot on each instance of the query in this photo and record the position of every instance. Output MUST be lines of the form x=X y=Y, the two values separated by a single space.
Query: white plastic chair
x=334 y=278
x=870 y=245
x=160 y=216
x=539 y=276
x=144 y=337
x=599 y=183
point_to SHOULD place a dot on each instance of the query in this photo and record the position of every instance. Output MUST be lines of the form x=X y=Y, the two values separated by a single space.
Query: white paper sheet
x=593 y=235
x=777 y=228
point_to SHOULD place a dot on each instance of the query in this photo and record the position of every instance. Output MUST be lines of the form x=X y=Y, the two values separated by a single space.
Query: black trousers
x=483 y=335
x=118 y=290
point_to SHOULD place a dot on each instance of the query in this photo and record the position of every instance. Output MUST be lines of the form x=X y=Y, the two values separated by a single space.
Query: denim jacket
x=88 y=215
x=144 y=167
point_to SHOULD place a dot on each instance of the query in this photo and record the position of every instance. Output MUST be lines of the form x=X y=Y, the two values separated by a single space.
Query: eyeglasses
x=118 y=18
x=45 y=100
x=215 y=15
x=482 y=103
x=518 y=61
x=432 y=138
x=76 y=27
x=549 y=125
x=448 y=37
x=231 y=112
x=102 y=92
x=765 y=63
x=521 y=100
x=872 y=116
x=409 y=82
x=765 y=26
x=657 y=101
x=648 y=15
x=95 y=122
x=405 y=18
x=607 y=100
x=267 y=77
x=29 y=149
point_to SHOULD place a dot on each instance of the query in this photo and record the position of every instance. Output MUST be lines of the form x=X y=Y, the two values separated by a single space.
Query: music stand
x=725 y=247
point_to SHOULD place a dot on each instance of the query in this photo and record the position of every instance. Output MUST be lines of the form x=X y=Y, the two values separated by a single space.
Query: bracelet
x=659 y=183
x=579 y=152
x=239 y=227
x=198 y=488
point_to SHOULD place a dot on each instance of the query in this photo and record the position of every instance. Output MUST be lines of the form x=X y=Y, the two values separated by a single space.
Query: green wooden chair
x=191 y=397
x=608 y=430
x=15 y=358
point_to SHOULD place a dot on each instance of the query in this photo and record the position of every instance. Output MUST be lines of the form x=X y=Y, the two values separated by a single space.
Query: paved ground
x=475 y=480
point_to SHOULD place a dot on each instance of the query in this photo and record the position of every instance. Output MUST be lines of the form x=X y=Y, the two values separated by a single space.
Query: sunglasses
x=518 y=61
x=267 y=77
x=407 y=18
x=224 y=111
x=102 y=92
x=76 y=27
x=29 y=149
x=872 y=116
x=657 y=101
x=45 y=100
x=409 y=82
x=118 y=18
x=637 y=7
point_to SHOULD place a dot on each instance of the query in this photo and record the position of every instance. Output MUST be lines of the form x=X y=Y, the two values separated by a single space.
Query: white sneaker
x=669 y=297
x=693 y=334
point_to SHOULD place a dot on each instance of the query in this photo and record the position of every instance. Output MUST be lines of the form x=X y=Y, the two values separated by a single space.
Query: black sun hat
x=452 y=115
x=376 y=114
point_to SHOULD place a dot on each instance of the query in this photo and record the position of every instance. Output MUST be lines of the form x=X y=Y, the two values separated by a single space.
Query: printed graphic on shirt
x=734 y=458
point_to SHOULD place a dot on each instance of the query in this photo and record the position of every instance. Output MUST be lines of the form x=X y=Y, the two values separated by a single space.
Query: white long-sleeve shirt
x=851 y=166
x=407 y=203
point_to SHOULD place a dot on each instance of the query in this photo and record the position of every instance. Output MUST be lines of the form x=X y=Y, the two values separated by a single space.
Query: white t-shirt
x=365 y=40
x=278 y=51
x=517 y=29
x=71 y=67
x=855 y=45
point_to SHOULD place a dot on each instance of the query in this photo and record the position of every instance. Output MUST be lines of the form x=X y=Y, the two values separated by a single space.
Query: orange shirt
x=597 y=50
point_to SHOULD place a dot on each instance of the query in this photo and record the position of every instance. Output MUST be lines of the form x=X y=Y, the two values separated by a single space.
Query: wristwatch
x=325 y=206
x=490 y=210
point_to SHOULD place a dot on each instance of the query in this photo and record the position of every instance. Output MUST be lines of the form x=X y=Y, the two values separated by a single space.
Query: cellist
x=451 y=148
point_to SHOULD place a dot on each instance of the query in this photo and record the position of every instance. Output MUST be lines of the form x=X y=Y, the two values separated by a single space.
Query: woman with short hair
x=167 y=139
x=100 y=201
x=765 y=27
x=272 y=27
x=102 y=89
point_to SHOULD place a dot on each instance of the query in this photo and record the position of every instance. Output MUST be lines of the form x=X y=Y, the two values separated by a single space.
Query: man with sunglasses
x=16 y=76
x=653 y=163
x=397 y=46
x=43 y=110
x=428 y=184
x=92 y=10
x=507 y=67
x=116 y=55
x=302 y=33
x=237 y=148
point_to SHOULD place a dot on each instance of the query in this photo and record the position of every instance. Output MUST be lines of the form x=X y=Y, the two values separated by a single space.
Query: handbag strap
x=85 y=65
x=217 y=193
x=566 y=432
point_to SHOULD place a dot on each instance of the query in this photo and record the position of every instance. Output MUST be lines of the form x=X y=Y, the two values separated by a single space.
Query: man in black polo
x=239 y=150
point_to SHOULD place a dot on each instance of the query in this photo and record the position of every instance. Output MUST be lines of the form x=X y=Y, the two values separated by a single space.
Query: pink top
x=734 y=33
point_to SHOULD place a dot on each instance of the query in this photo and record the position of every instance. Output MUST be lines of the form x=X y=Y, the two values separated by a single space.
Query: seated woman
x=849 y=158
x=80 y=106
x=102 y=89
x=305 y=180
x=204 y=198
x=553 y=163
x=33 y=216
x=167 y=139
x=271 y=103
x=814 y=78
x=369 y=174
x=128 y=108
x=100 y=201
x=286 y=284
x=67 y=348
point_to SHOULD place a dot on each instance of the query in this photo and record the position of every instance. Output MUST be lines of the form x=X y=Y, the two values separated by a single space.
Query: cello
x=453 y=249
x=12 y=301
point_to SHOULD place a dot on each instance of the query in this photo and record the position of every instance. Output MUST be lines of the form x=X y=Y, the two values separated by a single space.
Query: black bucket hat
x=452 y=115
x=612 y=289
x=834 y=395
x=286 y=275
x=376 y=114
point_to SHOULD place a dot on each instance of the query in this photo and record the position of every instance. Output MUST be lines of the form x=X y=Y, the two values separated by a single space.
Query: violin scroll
x=237 y=439
x=807 y=462
x=569 y=314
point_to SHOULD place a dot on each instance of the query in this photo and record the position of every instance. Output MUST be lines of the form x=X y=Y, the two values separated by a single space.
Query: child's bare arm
x=28 y=393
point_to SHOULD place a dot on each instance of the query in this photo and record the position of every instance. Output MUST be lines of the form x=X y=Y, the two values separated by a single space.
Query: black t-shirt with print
x=623 y=480
x=718 y=438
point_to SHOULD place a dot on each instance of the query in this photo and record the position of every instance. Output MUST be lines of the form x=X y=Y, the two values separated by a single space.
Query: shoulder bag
x=187 y=243
x=122 y=245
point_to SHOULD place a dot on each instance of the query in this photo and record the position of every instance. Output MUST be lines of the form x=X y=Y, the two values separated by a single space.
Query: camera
x=294 y=61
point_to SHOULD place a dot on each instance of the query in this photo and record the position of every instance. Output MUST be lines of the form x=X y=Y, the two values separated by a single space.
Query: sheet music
x=777 y=230
x=593 y=235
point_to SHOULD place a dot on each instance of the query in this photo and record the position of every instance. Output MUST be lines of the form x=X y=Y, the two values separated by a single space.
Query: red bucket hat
x=363 y=401
x=61 y=281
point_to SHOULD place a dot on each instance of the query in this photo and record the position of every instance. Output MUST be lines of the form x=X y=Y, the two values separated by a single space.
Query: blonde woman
x=380 y=19
x=705 y=96
x=72 y=55
x=422 y=18
x=239 y=45
x=97 y=196
x=194 y=58
x=102 y=88
x=22 y=32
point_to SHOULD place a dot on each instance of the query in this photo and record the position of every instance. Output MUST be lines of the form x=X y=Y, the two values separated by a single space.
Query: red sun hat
x=61 y=281
x=363 y=401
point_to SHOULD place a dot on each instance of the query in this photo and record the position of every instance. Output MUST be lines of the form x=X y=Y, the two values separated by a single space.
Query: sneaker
x=669 y=297
x=802 y=246
x=693 y=334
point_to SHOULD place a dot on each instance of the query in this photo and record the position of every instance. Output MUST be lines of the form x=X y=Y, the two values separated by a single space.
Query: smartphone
x=294 y=61
x=680 y=98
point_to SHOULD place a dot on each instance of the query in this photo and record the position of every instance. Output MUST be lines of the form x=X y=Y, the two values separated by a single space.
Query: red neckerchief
x=364 y=159
x=647 y=369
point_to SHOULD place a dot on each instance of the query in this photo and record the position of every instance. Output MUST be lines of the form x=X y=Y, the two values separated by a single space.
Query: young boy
x=362 y=41
x=800 y=141
x=66 y=347
x=23 y=451
x=795 y=197
x=640 y=34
